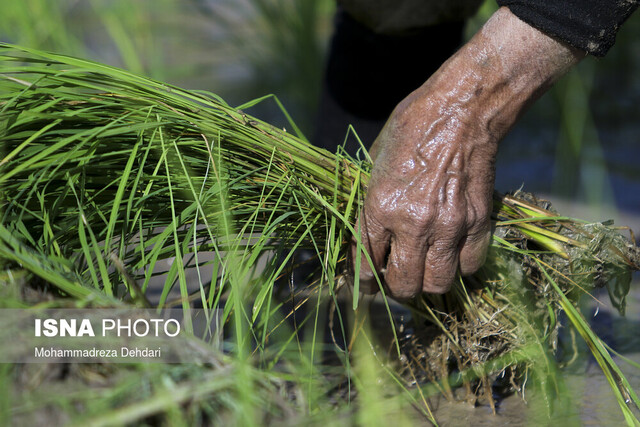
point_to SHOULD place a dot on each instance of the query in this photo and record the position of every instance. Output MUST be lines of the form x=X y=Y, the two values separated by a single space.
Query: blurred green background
x=239 y=49
x=579 y=143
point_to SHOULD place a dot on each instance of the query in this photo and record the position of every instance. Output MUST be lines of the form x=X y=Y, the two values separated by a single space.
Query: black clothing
x=370 y=73
x=589 y=25
x=367 y=74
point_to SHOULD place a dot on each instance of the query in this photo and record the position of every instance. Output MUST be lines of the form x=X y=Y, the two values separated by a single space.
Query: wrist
x=526 y=62
x=518 y=63
x=505 y=67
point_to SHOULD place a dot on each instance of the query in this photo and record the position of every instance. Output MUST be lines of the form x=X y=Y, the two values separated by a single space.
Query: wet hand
x=426 y=216
x=427 y=210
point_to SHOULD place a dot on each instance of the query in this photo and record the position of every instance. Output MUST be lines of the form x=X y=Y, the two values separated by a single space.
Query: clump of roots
x=458 y=337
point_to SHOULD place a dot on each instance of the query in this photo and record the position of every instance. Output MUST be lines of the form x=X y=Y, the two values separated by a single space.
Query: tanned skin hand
x=426 y=214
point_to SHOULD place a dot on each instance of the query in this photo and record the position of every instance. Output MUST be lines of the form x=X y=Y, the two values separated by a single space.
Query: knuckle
x=378 y=206
x=370 y=223
x=419 y=217
x=453 y=221
x=446 y=239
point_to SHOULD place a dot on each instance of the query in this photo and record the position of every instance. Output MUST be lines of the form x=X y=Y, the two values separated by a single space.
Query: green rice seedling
x=110 y=181
x=140 y=173
x=130 y=155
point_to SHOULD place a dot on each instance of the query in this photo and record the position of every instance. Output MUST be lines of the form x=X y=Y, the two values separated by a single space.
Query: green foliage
x=106 y=176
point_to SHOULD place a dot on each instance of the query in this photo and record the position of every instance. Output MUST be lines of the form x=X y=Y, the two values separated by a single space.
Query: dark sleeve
x=589 y=25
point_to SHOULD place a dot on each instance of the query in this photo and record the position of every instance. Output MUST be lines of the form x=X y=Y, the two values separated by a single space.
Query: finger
x=442 y=260
x=441 y=266
x=474 y=245
x=374 y=239
x=473 y=248
x=405 y=267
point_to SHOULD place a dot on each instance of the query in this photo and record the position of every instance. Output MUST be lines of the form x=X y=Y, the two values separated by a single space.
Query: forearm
x=500 y=71
x=524 y=63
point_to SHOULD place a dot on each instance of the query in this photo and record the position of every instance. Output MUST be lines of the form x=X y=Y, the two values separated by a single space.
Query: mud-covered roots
x=511 y=302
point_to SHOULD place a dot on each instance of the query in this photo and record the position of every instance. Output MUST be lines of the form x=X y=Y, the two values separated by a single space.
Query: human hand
x=429 y=197
x=426 y=214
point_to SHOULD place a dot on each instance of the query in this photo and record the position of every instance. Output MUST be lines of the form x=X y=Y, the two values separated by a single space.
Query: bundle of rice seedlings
x=104 y=174
x=97 y=156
